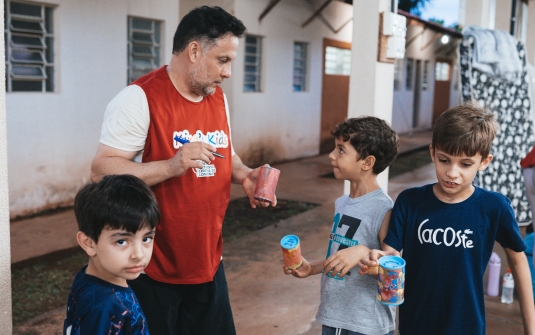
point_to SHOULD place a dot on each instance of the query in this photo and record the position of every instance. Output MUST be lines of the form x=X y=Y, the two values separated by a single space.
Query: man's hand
x=344 y=260
x=249 y=185
x=190 y=155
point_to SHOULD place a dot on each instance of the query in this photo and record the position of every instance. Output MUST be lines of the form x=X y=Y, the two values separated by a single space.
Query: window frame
x=36 y=65
x=340 y=58
x=440 y=72
x=153 y=58
x=409 y=69
x=256 y=83
x=300 y=67
x=425 y=75
x=398 y=74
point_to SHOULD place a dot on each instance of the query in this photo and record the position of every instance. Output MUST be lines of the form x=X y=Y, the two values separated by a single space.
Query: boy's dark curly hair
x=370 y=135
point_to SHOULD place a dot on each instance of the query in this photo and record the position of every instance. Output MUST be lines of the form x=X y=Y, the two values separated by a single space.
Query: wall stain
x=263 y=151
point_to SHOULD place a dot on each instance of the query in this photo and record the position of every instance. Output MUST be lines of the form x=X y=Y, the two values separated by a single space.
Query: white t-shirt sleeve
x=126 y=121
x=228 y=121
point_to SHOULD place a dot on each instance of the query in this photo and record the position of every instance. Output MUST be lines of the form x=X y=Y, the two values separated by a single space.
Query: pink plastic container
x=266 y=184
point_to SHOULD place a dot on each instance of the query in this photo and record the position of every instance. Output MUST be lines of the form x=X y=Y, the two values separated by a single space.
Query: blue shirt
x=98 y=307
x=447 y=248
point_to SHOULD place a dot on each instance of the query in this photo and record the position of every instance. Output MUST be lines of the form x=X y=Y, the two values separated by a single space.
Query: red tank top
x=188 y=243
x=529 y=160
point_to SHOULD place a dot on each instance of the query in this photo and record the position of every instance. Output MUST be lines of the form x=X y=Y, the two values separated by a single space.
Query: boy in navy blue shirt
x=447 y=232
x=116 y=217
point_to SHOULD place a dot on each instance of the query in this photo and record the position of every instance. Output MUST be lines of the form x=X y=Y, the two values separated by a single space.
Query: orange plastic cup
x=291 y=251
x=266 y=184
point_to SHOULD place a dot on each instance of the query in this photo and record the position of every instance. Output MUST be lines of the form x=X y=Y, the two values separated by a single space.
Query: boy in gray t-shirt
x=365 y=146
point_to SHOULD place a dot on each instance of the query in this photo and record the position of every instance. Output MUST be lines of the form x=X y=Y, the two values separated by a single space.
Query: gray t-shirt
x=351 y=303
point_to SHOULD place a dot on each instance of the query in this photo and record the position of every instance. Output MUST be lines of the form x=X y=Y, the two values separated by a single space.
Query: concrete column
x=480 y=13
x=6 y=324
x=530 y=37
x=371 y=83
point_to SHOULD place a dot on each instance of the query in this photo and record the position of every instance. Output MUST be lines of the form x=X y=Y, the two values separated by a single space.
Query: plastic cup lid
x=289 y=241
x=391 y=262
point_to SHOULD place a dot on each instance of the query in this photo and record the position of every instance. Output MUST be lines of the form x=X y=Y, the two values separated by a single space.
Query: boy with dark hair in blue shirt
x=447 y=231
x=116 y=217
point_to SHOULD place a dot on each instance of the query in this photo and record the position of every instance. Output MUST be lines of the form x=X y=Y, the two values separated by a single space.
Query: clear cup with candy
x=391 y=280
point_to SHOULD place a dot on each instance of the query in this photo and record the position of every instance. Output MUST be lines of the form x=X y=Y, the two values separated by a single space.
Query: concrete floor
x=264 y=300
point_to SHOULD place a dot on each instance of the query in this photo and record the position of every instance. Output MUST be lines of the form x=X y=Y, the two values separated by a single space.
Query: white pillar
x=371 y=85
x=480 y=13
x=492 y=14
x=530 y=38
x=524 y=21
x=6 y=324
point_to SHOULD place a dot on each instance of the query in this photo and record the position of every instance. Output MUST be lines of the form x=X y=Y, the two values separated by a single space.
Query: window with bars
x=143 y=47
x=397 y=74
x=425 y=77
x=442 y=71
x=29 y=47
x=337 y=61
x=410 y=74
x=300 y=67
x=253 y=57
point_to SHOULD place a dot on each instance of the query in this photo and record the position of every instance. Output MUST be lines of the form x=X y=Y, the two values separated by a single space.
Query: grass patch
x=44 y=286
x=241 y=219
x=409 y=161
x=403 y=163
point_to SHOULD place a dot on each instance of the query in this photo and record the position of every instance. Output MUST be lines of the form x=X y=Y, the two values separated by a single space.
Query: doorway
x=441 y=101
x=335 y=89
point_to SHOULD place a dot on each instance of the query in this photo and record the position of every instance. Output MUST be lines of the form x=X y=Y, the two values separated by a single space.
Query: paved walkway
x=264 y=300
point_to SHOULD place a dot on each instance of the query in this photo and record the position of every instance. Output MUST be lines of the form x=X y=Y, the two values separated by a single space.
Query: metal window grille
x=425 y=76
x=253 y=57
x=397 y=74
x=300 y=67
x=337 y=61
x=442 y=71
x=410 y=70
x=29 y=47
x=143 y=47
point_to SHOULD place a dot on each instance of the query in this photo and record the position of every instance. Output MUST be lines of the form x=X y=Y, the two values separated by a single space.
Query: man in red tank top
x=184 y=290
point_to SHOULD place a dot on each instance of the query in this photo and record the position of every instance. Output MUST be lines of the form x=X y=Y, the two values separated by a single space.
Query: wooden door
x=441 y=99
x=335 y=89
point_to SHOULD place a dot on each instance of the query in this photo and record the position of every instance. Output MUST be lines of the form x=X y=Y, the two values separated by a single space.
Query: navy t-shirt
x=447 y=248
x=98 y=307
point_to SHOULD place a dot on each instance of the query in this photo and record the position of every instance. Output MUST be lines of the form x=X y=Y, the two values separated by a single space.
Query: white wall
x=187 y=5
x=52 y=137
x=6 y=323
x=277 y=123
x=503 y=14
x=530 y=39
x=402 y=113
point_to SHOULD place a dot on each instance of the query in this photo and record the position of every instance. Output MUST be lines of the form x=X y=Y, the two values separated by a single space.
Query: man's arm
x=109 y=161
x=518 y=263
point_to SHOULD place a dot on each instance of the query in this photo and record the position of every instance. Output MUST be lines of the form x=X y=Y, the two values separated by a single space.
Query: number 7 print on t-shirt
x=346 y=240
